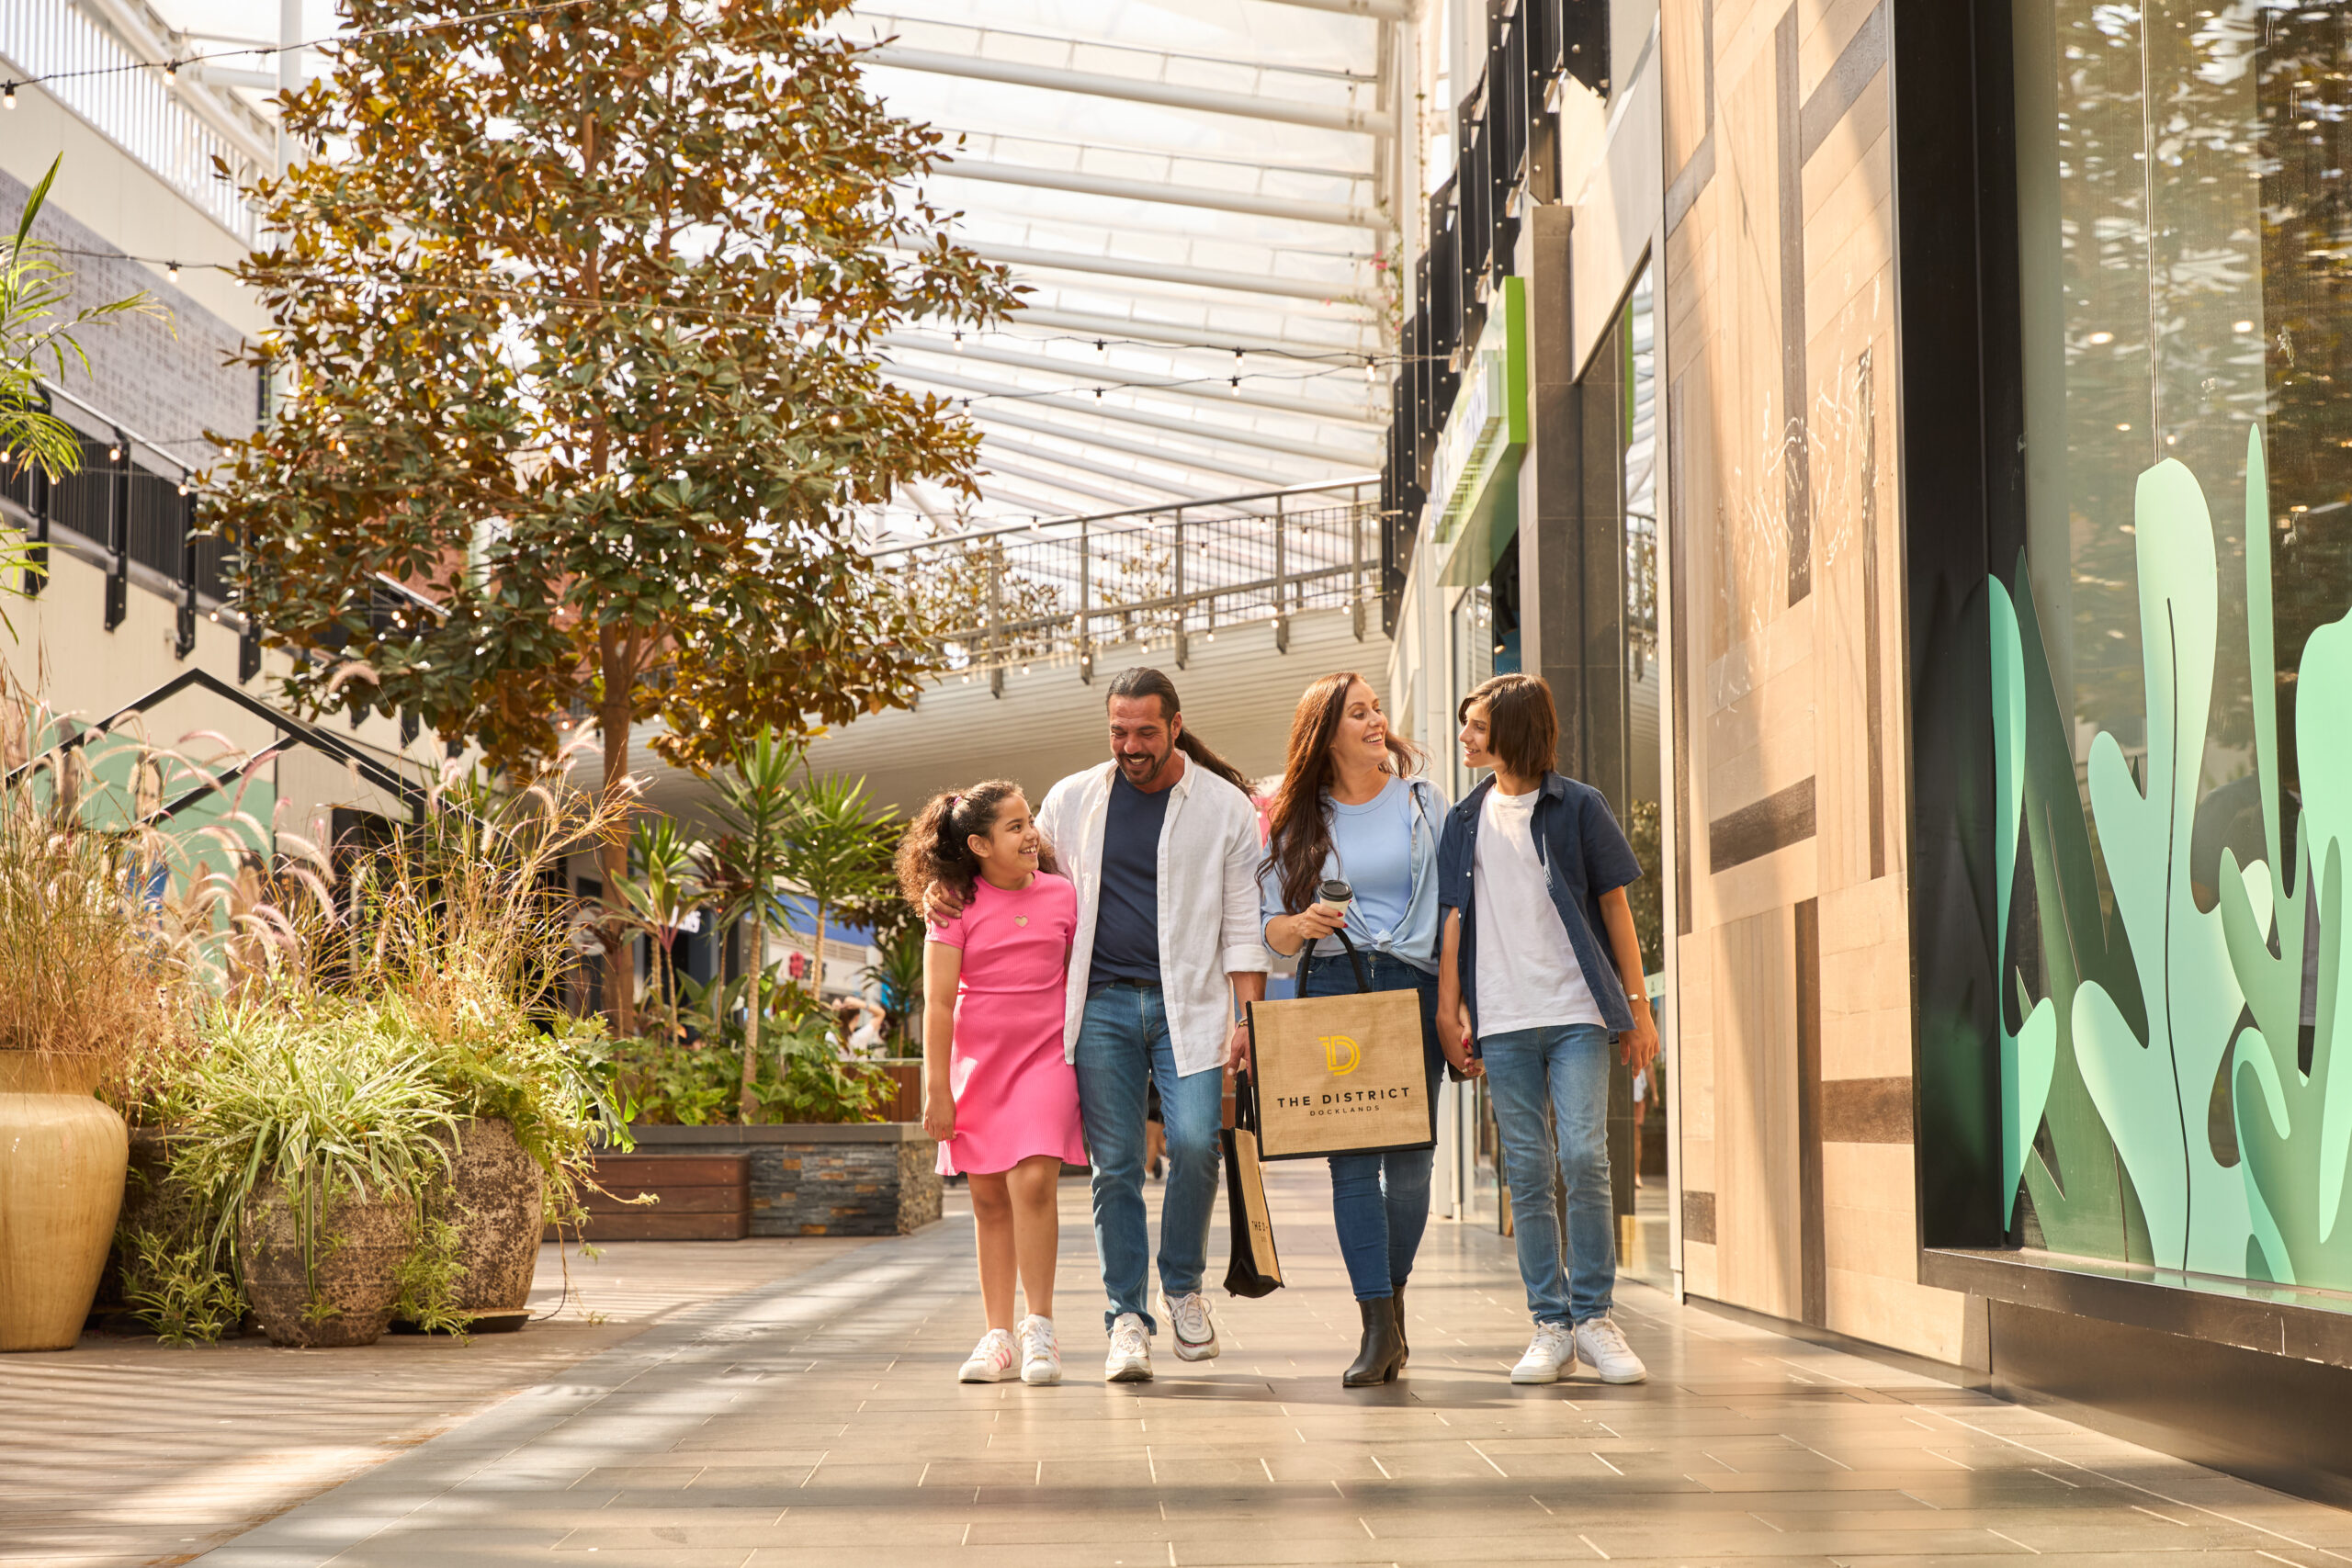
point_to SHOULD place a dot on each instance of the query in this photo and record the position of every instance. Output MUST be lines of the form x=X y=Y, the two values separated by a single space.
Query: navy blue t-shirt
x=1126 y=919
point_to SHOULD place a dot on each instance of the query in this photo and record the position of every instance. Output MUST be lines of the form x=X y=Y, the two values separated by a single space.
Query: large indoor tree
x=577 y=313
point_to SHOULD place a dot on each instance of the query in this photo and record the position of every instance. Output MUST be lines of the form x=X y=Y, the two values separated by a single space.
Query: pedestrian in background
x=997 y=1093
x=1349 y=809
x=1531 y=874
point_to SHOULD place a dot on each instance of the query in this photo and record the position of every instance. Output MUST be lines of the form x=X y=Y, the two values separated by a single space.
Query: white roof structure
x=1197 y=196
x=1194 y=197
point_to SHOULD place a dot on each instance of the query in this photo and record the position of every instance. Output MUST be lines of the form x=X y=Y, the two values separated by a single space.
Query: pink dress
x=1015 y=1095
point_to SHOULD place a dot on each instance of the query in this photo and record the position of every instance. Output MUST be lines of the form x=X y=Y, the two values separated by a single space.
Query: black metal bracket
x=184 y=643
x=119 y=530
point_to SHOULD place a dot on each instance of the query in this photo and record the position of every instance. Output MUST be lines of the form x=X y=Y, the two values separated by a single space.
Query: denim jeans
x=1563 y=1068
x=1123 y=1046
x=1380 y=1203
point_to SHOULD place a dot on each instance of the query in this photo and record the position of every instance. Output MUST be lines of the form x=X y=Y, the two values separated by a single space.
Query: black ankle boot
x=1403 y=1351
x=1381 y=1352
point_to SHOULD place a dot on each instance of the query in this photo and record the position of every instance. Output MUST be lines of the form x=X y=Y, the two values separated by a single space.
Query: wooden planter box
x=703 y=1196
x=808 y=1179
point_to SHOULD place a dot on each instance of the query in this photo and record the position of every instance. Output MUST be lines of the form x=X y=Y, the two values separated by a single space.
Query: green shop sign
x=1473 y=493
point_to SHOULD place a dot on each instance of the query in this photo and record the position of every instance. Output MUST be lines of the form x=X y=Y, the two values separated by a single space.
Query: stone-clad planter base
x=809 y=1179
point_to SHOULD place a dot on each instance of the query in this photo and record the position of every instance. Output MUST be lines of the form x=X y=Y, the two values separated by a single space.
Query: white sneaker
x=1130 y=1357
x=991 y=1360
x=1602 y=1346
x=1041 y=1357
x=1188 y=1318
x=1551 y=1355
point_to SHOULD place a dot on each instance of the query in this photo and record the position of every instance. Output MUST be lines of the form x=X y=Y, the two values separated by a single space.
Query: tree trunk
x=751 y=976
x=817 y=970
x=612 y=728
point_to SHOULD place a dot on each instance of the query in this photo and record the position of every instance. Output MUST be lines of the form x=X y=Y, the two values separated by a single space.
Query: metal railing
x=1054 y=592
x=129 y=107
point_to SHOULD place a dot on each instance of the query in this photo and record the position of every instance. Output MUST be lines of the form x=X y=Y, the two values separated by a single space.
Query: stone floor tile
x=809 y=1415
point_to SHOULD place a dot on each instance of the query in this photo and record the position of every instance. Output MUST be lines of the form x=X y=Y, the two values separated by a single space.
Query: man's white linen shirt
x=1209 y=855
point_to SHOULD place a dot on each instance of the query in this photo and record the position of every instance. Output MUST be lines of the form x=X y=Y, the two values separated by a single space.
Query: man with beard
x=1163 y=844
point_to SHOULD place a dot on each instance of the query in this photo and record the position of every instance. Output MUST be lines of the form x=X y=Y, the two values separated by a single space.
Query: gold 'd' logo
x=1341 y=1055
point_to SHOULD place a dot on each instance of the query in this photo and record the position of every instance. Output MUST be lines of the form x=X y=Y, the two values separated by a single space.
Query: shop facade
x=1934 y=516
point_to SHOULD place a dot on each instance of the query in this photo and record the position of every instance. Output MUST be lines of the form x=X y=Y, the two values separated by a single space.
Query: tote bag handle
x=1364 y=975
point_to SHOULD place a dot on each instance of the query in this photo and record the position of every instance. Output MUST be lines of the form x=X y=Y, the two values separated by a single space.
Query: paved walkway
x=813 y=1419
x=126 y=1452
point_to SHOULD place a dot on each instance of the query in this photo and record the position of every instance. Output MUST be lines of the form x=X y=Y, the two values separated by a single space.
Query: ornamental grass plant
x=89 y=969
x=369 y=1020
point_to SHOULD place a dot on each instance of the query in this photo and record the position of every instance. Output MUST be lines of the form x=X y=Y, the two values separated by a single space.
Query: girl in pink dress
x=997 y=1093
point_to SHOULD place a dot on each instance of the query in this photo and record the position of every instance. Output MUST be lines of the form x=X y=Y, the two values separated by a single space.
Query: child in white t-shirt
x=1540 y=978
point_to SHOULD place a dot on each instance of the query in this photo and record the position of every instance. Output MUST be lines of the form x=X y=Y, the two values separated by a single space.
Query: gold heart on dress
x=1019 y=920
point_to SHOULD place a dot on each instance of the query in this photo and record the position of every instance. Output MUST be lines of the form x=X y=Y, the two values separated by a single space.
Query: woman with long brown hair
x=1349 y=810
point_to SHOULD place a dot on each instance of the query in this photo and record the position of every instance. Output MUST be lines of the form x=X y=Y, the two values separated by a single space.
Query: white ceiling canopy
x=1194 y=194
x=1194 y=197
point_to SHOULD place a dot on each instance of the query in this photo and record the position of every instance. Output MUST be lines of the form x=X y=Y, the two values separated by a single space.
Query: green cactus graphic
x=2152 y=1092
x=2148 y=1008
x=2294 y=1130
x=2082 y=1198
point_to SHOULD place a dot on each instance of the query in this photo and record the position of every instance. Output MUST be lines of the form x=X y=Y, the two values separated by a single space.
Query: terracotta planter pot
x=60 y=1187
x=360 y=1246
x=497 y=1199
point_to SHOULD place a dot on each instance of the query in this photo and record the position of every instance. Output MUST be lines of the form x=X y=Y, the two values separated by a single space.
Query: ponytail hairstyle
x=1298 y=825
x=934 y=852
x=1143 y=681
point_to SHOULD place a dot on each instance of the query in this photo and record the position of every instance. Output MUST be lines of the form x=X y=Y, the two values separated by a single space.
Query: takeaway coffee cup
x=1335 y=893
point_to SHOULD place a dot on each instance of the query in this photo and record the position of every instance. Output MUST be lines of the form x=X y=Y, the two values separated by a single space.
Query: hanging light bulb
x=1100 y=346
x=959 y=342
x=1098 y=394
x=7 y=94
x=1237 y=386
x=114 y=454
x=1370 y=371
x=835 y=420
x=171 y=74
x=171 y=270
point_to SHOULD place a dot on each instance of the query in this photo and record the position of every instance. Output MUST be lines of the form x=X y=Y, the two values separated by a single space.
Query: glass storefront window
x=2166 y=820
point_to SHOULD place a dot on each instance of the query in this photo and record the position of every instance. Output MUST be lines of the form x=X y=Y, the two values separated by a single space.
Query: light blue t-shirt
x=1373 y=844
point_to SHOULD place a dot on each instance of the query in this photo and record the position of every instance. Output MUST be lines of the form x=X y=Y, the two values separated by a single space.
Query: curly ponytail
x=934 y=852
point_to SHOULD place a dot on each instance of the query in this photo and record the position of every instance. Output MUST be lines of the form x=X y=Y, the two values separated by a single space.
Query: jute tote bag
x=1339 y=1075
x=1256 y=1269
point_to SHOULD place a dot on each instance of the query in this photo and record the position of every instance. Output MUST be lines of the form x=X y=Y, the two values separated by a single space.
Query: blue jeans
x=1563 y=1068
x=1380 y=1203
x=1123 y=1045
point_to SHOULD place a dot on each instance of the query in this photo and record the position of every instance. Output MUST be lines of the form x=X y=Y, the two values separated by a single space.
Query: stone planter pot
x=497 y=1196
x=360 y=1246
x=60 y=1187
x=817 y=1179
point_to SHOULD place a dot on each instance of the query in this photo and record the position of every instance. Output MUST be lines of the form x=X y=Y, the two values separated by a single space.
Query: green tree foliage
x=581 y=329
